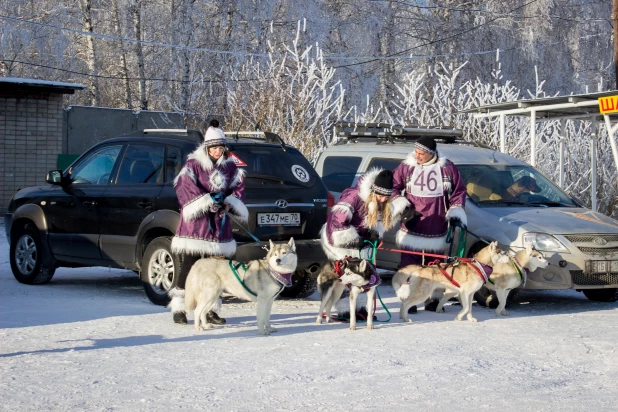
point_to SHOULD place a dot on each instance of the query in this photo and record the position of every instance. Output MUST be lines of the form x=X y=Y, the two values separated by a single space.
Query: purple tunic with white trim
x=201 y=231
x=436 y=191
x=346 y=223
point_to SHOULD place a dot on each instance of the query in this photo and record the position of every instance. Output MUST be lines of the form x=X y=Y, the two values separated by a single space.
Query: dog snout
x=278 y=261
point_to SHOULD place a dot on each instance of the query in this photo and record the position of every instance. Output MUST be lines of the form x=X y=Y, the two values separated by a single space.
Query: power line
x=475 y=53
x=436 y=41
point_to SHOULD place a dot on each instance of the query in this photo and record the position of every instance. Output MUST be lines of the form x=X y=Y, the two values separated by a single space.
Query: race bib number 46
x=426 y=181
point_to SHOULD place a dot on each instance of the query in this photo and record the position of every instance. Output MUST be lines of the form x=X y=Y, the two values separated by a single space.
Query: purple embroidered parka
x=434 y=189
x=200 y=230
x=346 y=223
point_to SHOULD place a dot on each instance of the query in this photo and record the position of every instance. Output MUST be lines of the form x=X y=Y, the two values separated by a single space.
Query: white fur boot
x=177 y=305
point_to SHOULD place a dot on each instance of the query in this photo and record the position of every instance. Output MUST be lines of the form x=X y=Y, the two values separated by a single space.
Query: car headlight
x=544 y=242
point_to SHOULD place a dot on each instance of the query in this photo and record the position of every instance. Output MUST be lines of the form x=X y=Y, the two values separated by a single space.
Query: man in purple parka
x=208 y=187
x=428 y=191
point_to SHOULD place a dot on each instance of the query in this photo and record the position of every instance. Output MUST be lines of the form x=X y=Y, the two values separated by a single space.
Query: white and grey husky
x=332 y=281
x=263 y=281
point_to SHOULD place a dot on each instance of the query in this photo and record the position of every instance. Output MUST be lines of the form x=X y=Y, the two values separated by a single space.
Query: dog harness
x=523 y=274
x=374 y=280
x=482 y=270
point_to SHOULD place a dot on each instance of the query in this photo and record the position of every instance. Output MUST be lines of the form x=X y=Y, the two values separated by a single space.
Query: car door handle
x=89 y=203
x=145 y=205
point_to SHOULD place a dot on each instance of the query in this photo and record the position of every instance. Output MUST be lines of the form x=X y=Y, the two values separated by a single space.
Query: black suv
x=116 y=206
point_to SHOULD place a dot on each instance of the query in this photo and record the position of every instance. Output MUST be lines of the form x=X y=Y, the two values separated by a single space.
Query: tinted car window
x=173 y=163
x=338 y=172
x=272 y=164
x=96 y=168
x=386 y=164
x=142 y=163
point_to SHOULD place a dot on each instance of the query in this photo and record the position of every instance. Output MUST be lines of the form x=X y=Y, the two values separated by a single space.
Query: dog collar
x=284 y=278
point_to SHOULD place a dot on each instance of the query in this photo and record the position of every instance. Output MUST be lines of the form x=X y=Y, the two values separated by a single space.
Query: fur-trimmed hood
x=201 y=155
x=366 y=181
x=410 y=160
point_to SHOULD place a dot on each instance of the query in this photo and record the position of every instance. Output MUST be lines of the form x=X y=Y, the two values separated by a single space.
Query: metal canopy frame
x=583 y=107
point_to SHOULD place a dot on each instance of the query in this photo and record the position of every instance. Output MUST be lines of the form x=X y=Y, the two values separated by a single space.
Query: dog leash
x=248 y=232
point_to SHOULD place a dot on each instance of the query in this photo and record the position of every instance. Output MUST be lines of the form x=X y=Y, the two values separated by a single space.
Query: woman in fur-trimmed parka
x=362 y=213
x=209 y=187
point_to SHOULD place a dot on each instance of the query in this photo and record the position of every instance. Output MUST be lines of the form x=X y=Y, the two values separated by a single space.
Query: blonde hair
x=375 y=209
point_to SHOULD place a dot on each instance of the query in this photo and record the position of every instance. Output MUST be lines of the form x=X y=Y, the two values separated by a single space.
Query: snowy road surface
x=90 y=340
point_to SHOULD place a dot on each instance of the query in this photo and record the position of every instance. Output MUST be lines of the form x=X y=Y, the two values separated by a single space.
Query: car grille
x=590 y=238
x=598 y=251
x=590 y=279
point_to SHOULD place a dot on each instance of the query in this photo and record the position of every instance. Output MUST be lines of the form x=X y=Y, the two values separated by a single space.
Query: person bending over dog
x=208 y=187
x=362 y=213
x=427 y=191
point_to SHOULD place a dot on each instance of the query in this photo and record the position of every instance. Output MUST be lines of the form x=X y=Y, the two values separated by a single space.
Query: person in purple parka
x=362 y=213
x=428 y=191
x=208 y=187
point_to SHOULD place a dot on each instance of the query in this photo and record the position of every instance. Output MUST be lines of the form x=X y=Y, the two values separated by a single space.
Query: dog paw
x=272 y=330
x=263 y=332
x=319 y=320
x=459 y=318
x=407 y=320
x=370 y=327
x=352 y=327
x=471 y=319
x=441 y=310
x=329 y=320
x=504 y=313
x=199 y=328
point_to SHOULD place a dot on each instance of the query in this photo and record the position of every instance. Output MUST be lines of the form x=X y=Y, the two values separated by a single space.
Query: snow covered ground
x=90 y=340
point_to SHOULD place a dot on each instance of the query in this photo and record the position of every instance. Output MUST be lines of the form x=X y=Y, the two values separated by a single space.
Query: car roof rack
x=246 y=134
x=386 y=132
x=189 y=133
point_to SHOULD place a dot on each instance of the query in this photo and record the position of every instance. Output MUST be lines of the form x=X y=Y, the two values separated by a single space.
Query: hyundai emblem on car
x=282 y=204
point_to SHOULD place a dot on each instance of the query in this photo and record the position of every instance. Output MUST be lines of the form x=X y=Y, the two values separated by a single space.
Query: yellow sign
x=608 y=104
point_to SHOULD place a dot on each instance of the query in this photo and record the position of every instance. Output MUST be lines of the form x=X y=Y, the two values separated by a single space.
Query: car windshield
x=512 y=186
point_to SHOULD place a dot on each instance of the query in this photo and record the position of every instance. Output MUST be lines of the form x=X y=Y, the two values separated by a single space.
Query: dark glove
x=360 y=244
x=454 y=220
x=373 y=236
x=409 y=213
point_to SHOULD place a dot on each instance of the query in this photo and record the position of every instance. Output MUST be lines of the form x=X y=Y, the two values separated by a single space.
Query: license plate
x=278 y=219
x=602 y=266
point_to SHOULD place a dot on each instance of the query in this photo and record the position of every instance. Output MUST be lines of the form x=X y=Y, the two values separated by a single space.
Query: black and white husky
x=263 y=281
x=332 y=280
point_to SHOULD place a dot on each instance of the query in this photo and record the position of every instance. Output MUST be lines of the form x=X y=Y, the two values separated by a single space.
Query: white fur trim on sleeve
x=197 y=207
x=398 y=206
x=345 y=237
x=343 y=208
x=240 y=210
x=239 y=177
x=458 y=212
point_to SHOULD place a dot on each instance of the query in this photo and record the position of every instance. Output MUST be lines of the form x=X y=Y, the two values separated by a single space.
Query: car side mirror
x=54 y=177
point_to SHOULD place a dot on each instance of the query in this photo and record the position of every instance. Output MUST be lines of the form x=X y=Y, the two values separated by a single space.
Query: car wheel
x=303 y=285
x=159 y=269
x=602 y=295
x=27 y=257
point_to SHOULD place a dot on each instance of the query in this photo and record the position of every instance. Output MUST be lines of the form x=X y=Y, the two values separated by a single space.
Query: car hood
x=555 y=220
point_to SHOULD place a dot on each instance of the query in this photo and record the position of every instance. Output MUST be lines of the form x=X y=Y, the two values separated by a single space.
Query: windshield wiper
x=506 y=202
x=550 y=203
x=265 y=177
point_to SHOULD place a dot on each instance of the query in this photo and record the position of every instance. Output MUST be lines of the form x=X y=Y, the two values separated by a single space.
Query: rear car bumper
x=309 y=252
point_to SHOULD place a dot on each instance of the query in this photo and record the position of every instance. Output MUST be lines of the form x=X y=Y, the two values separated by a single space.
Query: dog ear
x=292 y=245
x=272 y=245
x=363 y=266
